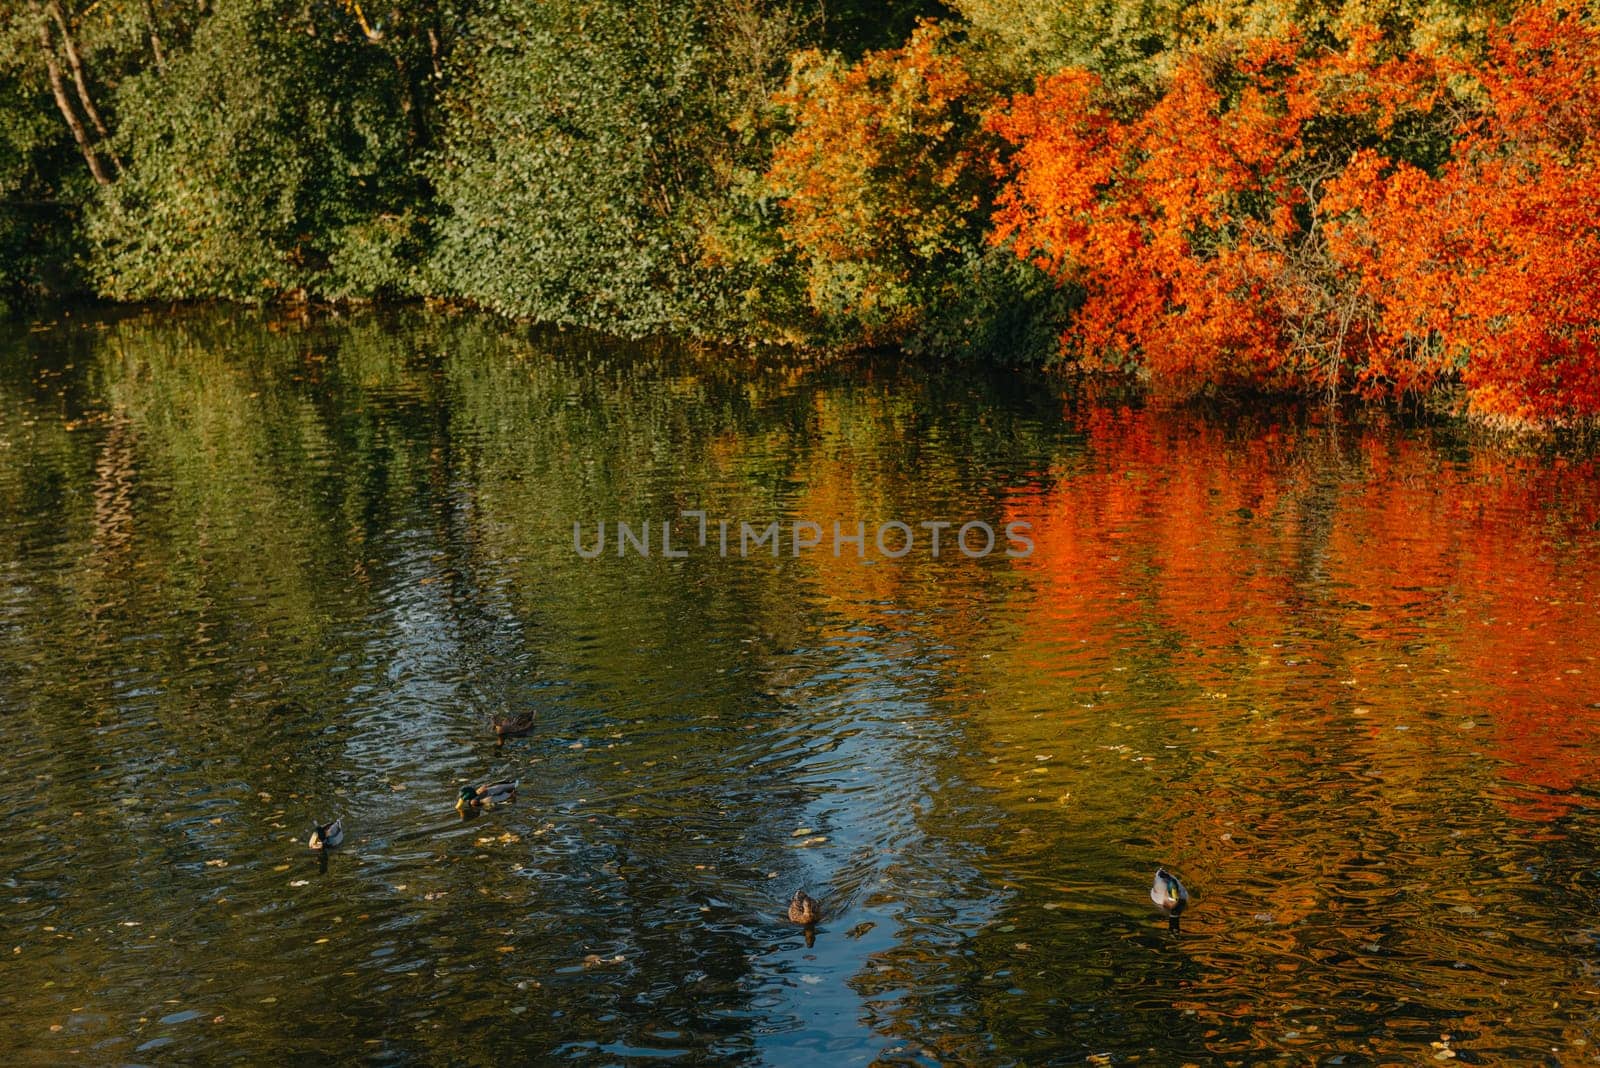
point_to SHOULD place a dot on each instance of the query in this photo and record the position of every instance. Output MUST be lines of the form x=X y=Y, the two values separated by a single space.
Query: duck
x=512 y=725
x=486 y=796
x=1169 y=896
x=326 y=836
x=804 y=909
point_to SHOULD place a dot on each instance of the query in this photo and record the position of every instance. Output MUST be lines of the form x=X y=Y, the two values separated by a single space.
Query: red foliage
x=1194 y=228
x=1314 y=220
x=1492 y=265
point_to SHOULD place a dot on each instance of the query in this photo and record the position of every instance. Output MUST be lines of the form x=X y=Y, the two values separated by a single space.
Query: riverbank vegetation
x=1378 y=198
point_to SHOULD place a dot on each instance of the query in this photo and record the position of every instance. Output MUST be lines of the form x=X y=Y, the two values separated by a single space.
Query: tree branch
x=58 y=89
x=75 y=61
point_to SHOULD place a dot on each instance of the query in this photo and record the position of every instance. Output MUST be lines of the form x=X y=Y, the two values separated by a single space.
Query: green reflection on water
x=258 y=571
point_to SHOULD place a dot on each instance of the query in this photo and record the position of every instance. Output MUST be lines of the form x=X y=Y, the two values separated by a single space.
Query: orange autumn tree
x=1490 y=266
x=884 y=182
x=1195 y=229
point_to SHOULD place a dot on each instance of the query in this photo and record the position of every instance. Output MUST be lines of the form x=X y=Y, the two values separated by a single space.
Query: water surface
x=254 y=570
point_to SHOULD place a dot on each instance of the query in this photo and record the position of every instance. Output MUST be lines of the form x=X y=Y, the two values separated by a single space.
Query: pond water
x=1339 y=676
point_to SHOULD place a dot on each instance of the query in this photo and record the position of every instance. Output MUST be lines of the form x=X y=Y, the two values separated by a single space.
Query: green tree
x=269 y=157
x=589 y=151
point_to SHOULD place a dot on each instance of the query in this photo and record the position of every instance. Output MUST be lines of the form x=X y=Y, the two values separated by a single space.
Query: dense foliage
x=1373 y=197
x=1339 y=218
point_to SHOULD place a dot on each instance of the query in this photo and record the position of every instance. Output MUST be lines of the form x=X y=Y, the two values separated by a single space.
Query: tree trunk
x=155 y=37
x=75 y=61
x=436 y=54
x=366 y=30
x=58 y=88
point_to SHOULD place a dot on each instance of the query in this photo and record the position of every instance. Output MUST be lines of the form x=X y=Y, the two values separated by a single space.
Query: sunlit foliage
x=1376 y=198
x=886 y=184
x=1367 y=220
x=1491 y=264
x=1196 y=228
x=883 y=181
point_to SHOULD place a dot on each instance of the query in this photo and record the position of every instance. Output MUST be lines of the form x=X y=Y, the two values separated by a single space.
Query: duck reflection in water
x=1169 y=896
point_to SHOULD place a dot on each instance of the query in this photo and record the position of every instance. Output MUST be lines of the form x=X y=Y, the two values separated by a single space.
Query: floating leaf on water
x=300 y=882
x=216 y=864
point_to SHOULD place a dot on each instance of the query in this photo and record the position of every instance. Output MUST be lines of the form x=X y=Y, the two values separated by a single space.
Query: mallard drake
x=486 y=796
x=1169 y=896
x=512 y=725
x=804 y=909
x=326 y=836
